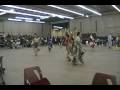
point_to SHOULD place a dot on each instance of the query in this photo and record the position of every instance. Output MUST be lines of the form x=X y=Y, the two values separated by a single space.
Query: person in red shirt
x=67 y=45
x=69 y=41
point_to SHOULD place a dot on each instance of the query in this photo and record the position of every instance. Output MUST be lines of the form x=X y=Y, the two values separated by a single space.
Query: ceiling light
x=116 y=8
x=51 y=14
x=24 y=18
x=14 y=12
x=86 y=16
x=37 y=19
x=57 y=27
x=95 y=12
x=44 y=17
x=11 y=19
x=34 y=21
x=66 y=10
x=2 y=13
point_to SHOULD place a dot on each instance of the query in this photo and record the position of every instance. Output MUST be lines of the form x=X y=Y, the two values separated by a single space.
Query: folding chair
x=1 y=71
x=43 y=81
x=33 y=76
x=104 y=79
x=1 y=65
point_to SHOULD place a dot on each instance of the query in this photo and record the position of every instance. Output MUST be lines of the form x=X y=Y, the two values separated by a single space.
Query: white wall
x=1 y=27
x=23 y=27
x=101 y=25
x=46 y=29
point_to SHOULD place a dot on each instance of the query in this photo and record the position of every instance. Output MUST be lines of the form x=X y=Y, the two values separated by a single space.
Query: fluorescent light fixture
x=51 y=14
x=24 y=18
x=58 y=27
x=95 y=12
x=37 y=19
x=116 y=8
x=44 y=17
x=54 y=6
x=20 y=13
x=86 y=16
x=11 y=19
x=12 y=10
x=2 y=13
x=34 y=21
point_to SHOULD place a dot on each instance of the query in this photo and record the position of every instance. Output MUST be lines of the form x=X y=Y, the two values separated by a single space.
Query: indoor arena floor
x=56 y=68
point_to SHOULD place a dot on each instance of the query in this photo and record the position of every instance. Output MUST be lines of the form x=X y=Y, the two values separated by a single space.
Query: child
x=50 y=45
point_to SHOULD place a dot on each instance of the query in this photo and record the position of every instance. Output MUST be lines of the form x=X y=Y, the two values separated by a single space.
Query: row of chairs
x=33 y=76
x=2 y=70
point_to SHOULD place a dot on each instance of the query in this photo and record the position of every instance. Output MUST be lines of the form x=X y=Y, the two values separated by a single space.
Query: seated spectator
x=17 y=45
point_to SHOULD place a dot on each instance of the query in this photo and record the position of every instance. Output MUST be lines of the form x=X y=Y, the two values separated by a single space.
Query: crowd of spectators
x=21 y=41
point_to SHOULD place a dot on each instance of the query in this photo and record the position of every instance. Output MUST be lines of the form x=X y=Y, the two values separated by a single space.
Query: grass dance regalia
x=35 y=44
x=76 y=52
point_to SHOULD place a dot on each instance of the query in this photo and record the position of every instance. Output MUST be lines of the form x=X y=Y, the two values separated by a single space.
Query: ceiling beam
x=63 y=21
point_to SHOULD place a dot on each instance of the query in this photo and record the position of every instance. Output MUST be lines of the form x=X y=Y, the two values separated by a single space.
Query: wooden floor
x=56 y=68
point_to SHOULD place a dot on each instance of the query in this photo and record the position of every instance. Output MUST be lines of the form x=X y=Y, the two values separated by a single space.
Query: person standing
x=67 y=40
x=92 y=41
x=35 y=44
x=50 y=44
x=79 y=51
x=110 y=40
x=117 y=39
x=71 y=42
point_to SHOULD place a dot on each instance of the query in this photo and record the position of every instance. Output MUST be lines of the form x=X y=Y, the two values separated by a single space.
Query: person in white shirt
x=18 y=43
x=117 y=41
x=79 y=51
x=35 y=44
x=110 y=40
x=92 y=41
